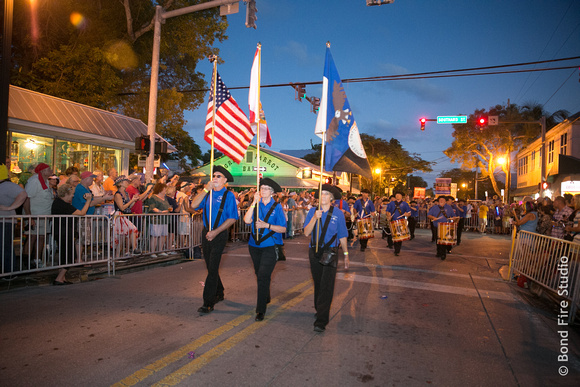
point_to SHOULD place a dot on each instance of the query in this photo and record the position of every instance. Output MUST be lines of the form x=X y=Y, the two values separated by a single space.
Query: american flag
x=232 y=133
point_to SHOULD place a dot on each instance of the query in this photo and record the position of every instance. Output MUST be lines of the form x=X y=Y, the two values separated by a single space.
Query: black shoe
x=318 y=328
x=218 y=298
x=205 y=309
x=396 y=253
x=390 y=247
x=259 y=316
x=58 y=283
x=443 y=257
x=362 y=248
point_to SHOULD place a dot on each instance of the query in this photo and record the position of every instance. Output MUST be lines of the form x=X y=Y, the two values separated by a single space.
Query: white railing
x=551 y=263
x=36 y=243
x=295 y=225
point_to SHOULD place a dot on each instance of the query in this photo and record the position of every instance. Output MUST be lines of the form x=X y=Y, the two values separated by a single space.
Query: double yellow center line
x=202 y=360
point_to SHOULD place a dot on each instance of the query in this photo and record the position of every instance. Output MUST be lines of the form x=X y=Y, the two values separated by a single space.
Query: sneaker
x=163 y=254
x=153 y=255
x=136 y=252
x=205 y=309
x=319 y=328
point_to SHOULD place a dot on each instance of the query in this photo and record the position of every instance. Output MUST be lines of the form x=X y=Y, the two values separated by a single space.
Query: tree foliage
x=473 y=147
x=98 y=53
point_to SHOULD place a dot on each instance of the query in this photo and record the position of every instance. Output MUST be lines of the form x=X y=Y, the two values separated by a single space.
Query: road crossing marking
x=427 y=286
x=179 y=354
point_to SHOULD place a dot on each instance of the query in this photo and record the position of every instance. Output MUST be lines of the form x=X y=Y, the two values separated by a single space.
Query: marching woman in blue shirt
x=269 y=223
x=329 y=234
x=224 y=213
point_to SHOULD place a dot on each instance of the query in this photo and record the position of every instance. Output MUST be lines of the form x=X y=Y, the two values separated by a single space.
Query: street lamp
x=379 y=172
x=505 y=161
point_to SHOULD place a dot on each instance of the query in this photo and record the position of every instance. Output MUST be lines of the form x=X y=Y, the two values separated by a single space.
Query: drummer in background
x=343 y=206
x=364 y=208
x=440 y=212
x=351 y=217
x=461 y=212
x=398 y=210
x=413 y=218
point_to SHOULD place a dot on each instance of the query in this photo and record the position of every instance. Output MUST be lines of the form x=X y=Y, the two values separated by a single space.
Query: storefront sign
x=571 y=187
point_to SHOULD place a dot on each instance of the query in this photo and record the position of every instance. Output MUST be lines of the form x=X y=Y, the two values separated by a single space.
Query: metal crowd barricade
x=551 y=263
x=46 y=242
x=241 y=231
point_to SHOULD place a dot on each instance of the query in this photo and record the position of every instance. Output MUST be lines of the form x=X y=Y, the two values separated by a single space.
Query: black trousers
x=363 y=243
x=433 y=233
x=412 y=225
x=212 y=254
x=460 y=226
x=398 y=247
x=442 y=250
x=264 y=259
x=323 y=278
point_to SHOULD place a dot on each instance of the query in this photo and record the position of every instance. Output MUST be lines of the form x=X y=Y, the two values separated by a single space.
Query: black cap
x=223 y=171
x=330 y=188
x=365 y=191
x=270 y=183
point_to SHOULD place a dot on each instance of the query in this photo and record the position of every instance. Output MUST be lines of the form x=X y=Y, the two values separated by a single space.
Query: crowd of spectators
x=45 y=193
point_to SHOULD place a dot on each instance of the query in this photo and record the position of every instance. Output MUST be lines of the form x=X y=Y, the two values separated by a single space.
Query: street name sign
x=452 y=119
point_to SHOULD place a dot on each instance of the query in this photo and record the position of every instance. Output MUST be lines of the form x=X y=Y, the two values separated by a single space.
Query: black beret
x=330 y=188
x=270 y=183
x=223 y=171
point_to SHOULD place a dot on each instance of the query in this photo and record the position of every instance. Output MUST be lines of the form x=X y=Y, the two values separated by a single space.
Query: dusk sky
x=408 y=36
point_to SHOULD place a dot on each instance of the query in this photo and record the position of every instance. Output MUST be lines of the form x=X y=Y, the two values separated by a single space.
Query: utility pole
x=160 y=17
x=5 y=79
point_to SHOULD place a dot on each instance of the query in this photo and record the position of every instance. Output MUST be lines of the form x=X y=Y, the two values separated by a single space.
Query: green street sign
x=452 y=119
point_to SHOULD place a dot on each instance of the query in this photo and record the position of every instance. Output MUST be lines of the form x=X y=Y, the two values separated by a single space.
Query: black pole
x=5 y=78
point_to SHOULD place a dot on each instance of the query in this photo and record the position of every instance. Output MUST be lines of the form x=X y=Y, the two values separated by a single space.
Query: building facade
x=562 y=162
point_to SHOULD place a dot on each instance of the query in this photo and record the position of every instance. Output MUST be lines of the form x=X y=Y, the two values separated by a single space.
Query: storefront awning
x=526 y=191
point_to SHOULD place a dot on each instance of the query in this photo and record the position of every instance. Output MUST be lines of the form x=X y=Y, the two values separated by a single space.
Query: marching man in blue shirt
x=398 y=210
x=224 y=213
x=364 y=208
x=330 y=232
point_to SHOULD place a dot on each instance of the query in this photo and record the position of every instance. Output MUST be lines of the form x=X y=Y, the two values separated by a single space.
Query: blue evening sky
x=408 y=36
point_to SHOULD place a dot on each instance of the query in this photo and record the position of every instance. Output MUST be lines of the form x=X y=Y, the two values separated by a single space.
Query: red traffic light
x=422 y=121
x=481 y=121
x=545 y=185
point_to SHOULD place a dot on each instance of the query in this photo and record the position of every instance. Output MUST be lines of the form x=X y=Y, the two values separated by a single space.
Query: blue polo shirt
x=398 y=214
x=276 y=218
x=461 y=214
x=79 y=202
x=363 y=210
x=414 y=213
x=337 y=226
x=344 y=205
x=437 y=212
x=230 y=208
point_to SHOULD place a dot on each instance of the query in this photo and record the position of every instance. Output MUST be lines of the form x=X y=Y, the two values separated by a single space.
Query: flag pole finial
x=328 y=44
x=213 y=58
x=259 y=45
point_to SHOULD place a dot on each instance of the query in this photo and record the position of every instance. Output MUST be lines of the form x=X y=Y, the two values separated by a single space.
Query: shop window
x=551 y=152
x=105 y=159
x=71 y=154
x=27 y=151
x=563 y=143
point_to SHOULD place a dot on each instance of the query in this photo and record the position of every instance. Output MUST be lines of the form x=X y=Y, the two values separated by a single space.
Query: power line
x=423 y=75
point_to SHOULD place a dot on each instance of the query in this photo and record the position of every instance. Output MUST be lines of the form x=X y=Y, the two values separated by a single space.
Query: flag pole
x=257 y=118
x=320 y=188
x=213 y=58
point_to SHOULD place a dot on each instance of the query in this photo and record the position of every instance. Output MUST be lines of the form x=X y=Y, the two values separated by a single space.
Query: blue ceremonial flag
x=344 y=148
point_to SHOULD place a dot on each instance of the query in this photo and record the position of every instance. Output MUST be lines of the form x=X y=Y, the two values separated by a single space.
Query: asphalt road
x=411 y=320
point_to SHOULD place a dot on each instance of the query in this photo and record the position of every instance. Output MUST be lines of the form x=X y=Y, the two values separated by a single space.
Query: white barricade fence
x=294 y=226
x=551 y=263
x=37 y=243
x=32 y=243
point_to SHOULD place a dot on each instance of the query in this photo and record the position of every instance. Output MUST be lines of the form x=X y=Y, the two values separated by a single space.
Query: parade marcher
x=460 y=211
x=345 y=208
x=364 y=208
x=224 y=213
x=267 y=229
x=440 y=213
x=413 y=218
x=323 y=252
x=398 y=210
x=350 y=219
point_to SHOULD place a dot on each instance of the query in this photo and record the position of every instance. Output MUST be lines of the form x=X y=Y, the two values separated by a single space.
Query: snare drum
x=447 y=234
x=365 y=228
x=400 y=230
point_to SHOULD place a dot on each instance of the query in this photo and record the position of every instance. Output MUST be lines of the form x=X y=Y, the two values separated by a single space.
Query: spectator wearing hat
x=123 y=228
x=78 y=202
x=12 y=196
x=268 y=223
x=39 y=204
x=323 y=252
x=220 y=208
x=364 y=208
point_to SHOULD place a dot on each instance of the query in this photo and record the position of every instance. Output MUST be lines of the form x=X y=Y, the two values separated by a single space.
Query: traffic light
x=544 y=186
x=300 y=91
x=142 y=144
x=160 y=147
x=251 y=11
x=422 y=121
x=481 y=122
x=315 y=104
x=328 y=180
